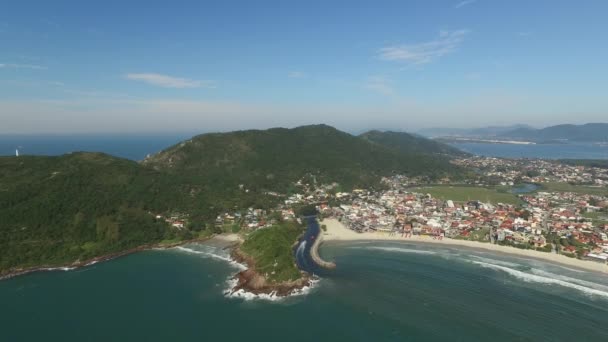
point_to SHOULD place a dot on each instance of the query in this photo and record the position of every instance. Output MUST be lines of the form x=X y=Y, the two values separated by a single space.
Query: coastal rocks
x=14 y=272
x=253 y=283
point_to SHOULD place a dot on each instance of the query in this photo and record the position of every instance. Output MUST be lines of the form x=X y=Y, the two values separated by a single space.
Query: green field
x=580 y=189
x=468 y=193
x=598 y=218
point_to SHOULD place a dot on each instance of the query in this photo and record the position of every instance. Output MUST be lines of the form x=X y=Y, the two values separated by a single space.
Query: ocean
x=137 y=146
x=379 y=291
x=134 y=147
x=545 y=151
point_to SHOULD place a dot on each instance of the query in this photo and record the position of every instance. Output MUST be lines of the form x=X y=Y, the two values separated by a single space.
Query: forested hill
x=55 y=210
x=275 y=158
x=409 y=144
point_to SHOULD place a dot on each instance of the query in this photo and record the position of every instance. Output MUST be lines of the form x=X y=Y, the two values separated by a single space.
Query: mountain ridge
x=589 y=132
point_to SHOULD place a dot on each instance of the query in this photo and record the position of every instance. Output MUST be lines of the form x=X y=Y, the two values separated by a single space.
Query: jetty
x=314 y=253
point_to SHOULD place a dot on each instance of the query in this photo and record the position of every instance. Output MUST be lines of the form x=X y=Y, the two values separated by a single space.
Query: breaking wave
x=496 y=262
x=543 y=277
x=397 y=249
x=273 y=297
x=58 y=269
x=212 y=253
x=232 y=281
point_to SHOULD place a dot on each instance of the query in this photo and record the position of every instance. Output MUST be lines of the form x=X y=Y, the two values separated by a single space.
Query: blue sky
x=147 y=66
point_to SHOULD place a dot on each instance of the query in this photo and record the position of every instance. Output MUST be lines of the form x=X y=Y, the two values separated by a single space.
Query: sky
x=176 y=66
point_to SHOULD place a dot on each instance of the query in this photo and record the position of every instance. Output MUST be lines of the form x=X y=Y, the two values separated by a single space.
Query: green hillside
x=55 y=210
x=409 y=144
x=273 y=159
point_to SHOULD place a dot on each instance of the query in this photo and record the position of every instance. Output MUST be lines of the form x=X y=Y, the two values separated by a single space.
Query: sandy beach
x=336 y=231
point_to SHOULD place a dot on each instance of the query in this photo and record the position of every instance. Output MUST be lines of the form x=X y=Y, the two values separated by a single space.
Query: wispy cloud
x=169 y=81
x=297 y=74
x=464 y=3
x=524 y=33
x=422 y=53
x=21 y=66
x=380 y=85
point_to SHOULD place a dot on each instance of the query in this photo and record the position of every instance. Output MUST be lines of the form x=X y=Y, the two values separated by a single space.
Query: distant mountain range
x=595 y=132
x=491 y=131
x=591 y=132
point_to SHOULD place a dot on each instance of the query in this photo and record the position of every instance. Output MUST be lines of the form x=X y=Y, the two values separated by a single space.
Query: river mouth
x=302 y=251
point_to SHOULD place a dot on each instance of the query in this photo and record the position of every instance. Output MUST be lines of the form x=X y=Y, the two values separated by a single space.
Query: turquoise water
x=379 y=292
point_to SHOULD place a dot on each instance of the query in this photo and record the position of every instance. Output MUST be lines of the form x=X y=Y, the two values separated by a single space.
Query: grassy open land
x=581 y=189
x=271 y=248
x=598 y=218
x=477 y=235
x=231 y=228
x=468 y=193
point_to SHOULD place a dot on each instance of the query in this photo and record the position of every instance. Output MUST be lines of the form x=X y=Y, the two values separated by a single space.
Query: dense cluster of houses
x=561 y=222
x=509 y=171
x=556 y=222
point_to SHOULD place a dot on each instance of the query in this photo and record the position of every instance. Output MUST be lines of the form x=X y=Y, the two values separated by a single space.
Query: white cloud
x=169 y=81
x=21 y=66
x=297 y=74
x=464 y=3
x=422 y=53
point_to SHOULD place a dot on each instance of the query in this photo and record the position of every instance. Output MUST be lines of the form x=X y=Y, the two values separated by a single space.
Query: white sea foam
x=551 y=279
x=496 y=262
x=301 y=248
x=399 y=250
x=577 y=281
x=273 y=297
x=58 y=269
x=212 y=253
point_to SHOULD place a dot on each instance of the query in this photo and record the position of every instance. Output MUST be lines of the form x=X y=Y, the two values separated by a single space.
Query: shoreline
x=95 y=260
x=314 y=253
x=253 y=282
x=336 y=232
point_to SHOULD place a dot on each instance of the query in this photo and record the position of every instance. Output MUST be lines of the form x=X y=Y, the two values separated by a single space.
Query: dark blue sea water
x=134 y=147
x=545 y=151
x=378 y=292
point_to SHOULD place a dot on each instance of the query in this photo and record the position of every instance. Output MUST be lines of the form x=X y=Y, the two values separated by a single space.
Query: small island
x=269 y=256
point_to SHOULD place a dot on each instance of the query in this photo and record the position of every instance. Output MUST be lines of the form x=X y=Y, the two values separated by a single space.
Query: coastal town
x=552 y=207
